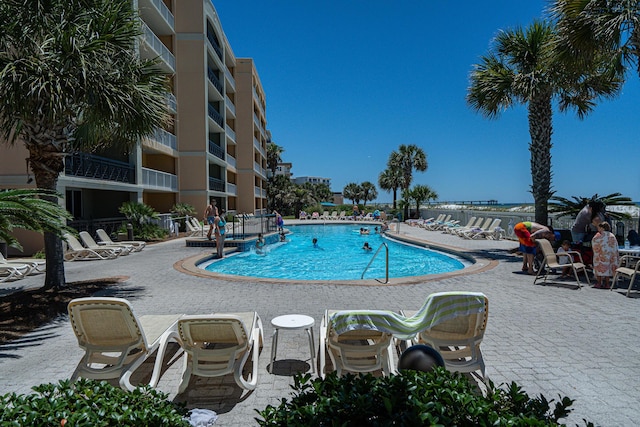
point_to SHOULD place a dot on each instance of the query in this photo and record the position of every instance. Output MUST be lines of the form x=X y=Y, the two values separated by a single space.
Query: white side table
x=292 y=322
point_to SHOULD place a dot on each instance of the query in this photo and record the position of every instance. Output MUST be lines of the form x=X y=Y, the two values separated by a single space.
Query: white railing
x=257 y=191
x=232 y=189
x=230 y=132
x=172 y=103
x=229 y=77
x=154 y=42
x=258 y=146
x=165 y=12
x=161 y=180
x=230 y=104
x=165 y=138
x=231 y=160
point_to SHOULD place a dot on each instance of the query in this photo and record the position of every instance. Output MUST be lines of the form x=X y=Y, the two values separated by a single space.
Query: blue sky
x=347 y=82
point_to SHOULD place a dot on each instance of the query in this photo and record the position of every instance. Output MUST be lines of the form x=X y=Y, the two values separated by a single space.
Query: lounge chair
x=116 y=342
x=629 y=267
x=355 y=349
x=13 y=271
x=37 y=265
x=455 y=325
x=192 y=230
x=449 y=229
x=468 y=234
x=138 y=245
x=343 y=215
x=334 y=215
x=315 y=215
x=88 y=242
x=77 y=252
x=492 y=232
x=219 y=344
x=551 y=261
x=478 y=225
x=325 y=215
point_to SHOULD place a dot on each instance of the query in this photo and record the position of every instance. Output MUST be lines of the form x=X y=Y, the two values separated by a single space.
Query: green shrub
x=89 y=403
x=413 y=398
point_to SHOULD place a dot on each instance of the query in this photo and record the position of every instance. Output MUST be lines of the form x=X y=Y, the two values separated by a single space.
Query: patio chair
x=343 y=215
x=138 y=245
x=13 y=271
x=192 y=230
x=492 y=232
x=629 y=267
x=88 y=241
x=334 y=215
x=468 y=234
x=116 y=342
x=359 y=348
x=219 y=344
x=478 y=225
x=77 y=252
x=325 y=215
x=454 y=324
x=551 y=262
x=449 y=229
x=37 y=265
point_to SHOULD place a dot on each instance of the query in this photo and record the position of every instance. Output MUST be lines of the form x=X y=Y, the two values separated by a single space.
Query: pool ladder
x=386 y=262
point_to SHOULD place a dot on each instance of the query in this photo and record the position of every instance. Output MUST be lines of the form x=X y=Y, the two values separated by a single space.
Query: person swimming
x=260 y=244
x=366 y=246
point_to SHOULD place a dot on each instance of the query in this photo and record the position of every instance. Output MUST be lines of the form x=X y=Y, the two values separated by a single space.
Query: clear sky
x=348 y=81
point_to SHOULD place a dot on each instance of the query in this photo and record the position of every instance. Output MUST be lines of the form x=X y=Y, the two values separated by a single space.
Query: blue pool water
x=339 y=256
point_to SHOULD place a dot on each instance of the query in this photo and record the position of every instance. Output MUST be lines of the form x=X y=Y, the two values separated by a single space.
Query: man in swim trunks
x=210 y=213
x=527 y=233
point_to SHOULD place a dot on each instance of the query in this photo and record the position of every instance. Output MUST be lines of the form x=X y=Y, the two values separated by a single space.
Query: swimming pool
x=339 y=256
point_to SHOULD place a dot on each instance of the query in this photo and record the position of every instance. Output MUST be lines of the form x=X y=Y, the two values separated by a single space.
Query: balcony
x=216 y=184
x=215 y=115
x=165 y=138
x=214 y=80
x=232 y=189
x=172 y=103
x=259 y=170
x=258 y=100
x=214 y=43
x=231 y=134
x=96 y=167
x=159 y=48
x=154 y=179
x=257 y=191
x=216 y=150
x=231 y=160
x=258 y=147
x=158 y=15
x=230 y=106
x=230 y=79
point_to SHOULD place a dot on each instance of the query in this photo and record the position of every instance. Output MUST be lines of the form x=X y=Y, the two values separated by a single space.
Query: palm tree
x=523 y=68
x=589 y=28
x=71 y=80
x=369 y=192
x=568 y=207
x=28 y=209
x=407 y=159
x=274 y=156
x=390 y=180
x=353 y=192
x=421 y=193
x=301 y=197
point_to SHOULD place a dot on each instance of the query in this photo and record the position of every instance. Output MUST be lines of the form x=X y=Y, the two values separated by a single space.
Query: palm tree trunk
x=395 y=196
x=47 y=162
x=540 y=129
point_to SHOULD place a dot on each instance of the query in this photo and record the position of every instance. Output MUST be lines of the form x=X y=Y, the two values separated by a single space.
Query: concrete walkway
x=555 y=339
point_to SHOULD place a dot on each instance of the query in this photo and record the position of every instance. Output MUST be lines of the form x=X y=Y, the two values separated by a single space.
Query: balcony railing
x=230 y=132
x=229 y=77
x=257 y=191
x=216 y=184
x=232 y=189
x=258 y=147
x=96 y=167
x=165 y=138
x=214 y=44
x=154 y=42
x=165 y=12
x=216 y=150
x=231 y=160
x=214 y=80
x=215 y=115
x=160 y=180
x=230 y=105
x=171 y=102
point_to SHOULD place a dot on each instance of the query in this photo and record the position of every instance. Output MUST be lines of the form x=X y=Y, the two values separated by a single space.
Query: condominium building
x=312 y=179
x=214 y=149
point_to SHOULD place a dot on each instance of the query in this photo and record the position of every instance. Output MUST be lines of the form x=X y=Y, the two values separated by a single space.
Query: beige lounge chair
x=89 y=243
x=355 y=350
x=629 y=267
x=36 y=265
x=219 y=344
x=458 y=322
x=551 y=261
x=77 y=252
x=13 y=271
x=138 y=245
x=116 y=342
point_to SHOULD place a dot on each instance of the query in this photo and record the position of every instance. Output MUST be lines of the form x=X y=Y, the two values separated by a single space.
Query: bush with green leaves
x=412 y=398
x=139 y=215
x=90 y=403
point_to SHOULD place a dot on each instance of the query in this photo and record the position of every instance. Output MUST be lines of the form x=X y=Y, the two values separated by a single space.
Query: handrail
x=386 y=263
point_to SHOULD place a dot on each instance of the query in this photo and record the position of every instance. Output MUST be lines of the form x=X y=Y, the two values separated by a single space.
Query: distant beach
x=634 y=211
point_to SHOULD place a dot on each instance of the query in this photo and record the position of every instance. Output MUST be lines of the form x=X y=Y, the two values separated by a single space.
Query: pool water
x=339 y=256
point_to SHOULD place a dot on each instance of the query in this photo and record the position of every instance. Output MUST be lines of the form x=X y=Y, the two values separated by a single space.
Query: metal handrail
x=386 y=261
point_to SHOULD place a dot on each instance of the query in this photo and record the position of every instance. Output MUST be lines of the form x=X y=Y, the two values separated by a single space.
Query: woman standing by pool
x=220 y=226
x=605 y=255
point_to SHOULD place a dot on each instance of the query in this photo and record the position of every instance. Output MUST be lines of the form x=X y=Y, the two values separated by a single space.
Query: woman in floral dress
x=605 y=255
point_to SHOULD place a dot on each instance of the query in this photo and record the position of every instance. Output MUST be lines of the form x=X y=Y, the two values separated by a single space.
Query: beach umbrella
x=328 y=204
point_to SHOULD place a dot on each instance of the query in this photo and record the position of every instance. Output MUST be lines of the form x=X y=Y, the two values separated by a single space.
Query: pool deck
x=554 y=339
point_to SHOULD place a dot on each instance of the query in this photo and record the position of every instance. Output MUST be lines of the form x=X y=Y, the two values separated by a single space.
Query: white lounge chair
x=456 y=325
x=478 y=225
x=449 y=229
x=356 y=349
x=492 y=232
x=138 y=245
x=36 y=265
x=468 y=234
x=77 y=252
x=89 y=243
x=116 y=342
x=219 y=344
x=13 y=271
